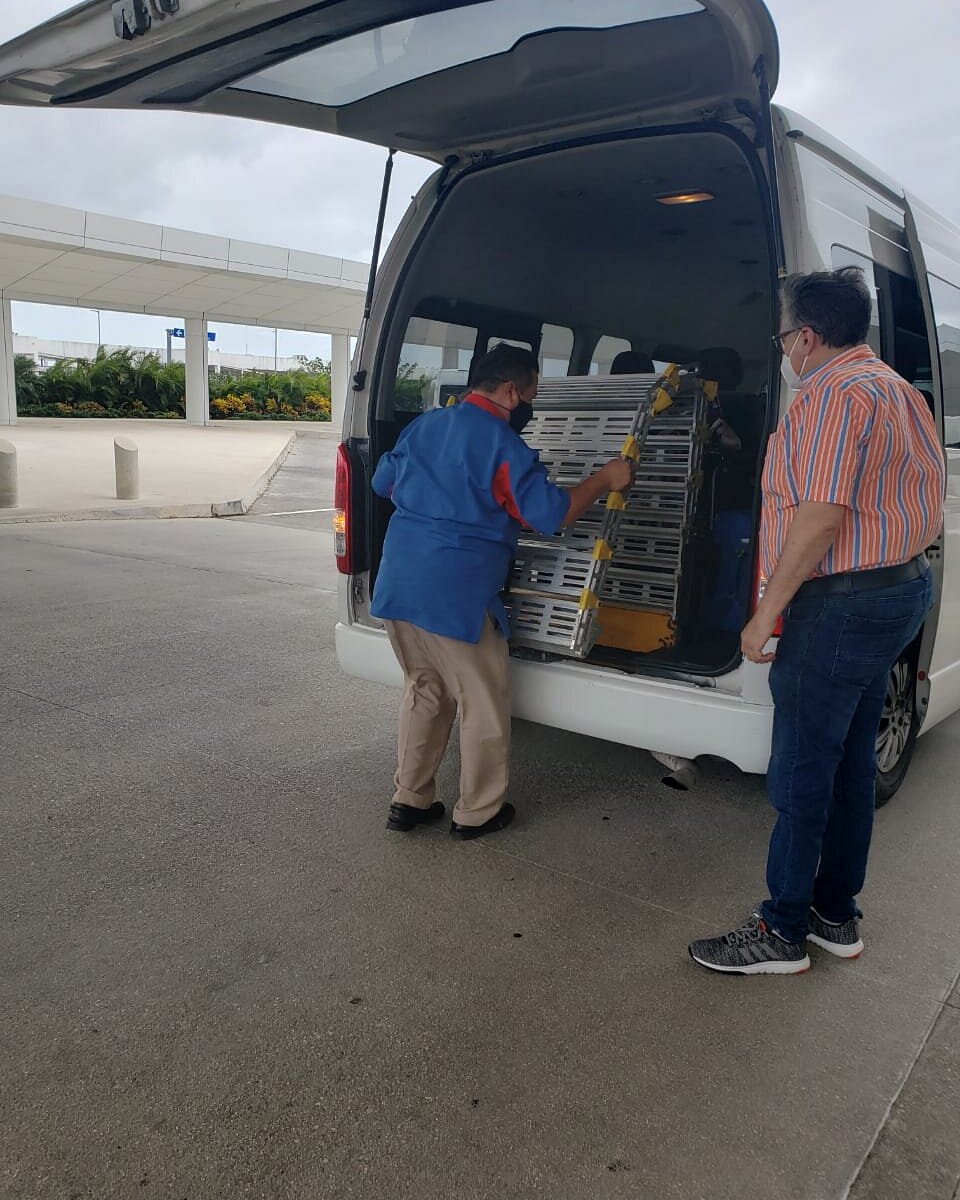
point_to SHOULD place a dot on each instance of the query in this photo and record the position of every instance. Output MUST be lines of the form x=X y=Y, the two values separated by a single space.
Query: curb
x=219 y=508
x=237 y=508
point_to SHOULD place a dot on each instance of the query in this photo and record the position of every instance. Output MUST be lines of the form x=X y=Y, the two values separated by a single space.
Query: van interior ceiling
x=574 y=253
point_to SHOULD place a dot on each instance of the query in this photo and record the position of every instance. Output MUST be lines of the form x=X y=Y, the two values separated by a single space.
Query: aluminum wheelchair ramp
x=626 y=551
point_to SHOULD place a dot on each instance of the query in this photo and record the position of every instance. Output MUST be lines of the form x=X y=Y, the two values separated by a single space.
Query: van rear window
x=367 y=63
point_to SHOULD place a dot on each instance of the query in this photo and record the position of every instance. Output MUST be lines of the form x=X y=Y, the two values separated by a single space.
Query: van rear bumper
x=651 y=714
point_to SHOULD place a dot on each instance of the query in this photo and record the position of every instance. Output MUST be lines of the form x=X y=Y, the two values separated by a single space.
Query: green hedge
x=131 y=383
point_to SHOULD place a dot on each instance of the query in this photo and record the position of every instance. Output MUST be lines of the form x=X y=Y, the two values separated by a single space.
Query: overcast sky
x=879 y=74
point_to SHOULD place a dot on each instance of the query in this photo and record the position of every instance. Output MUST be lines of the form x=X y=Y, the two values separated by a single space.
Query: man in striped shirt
x=853 y=492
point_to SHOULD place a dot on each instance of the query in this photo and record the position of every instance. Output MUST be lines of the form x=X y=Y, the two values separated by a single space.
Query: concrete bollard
x=8 y=474
x=127 y=460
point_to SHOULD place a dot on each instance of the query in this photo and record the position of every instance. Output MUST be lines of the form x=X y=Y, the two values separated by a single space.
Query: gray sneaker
x=753 y=949
x=843 y=940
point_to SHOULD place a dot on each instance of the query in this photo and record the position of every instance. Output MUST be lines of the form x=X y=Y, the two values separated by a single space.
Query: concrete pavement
x=223 y=978
x=67 y=472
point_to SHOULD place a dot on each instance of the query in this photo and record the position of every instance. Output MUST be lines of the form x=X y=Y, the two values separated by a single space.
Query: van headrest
x=722 y=365
x=632 y=362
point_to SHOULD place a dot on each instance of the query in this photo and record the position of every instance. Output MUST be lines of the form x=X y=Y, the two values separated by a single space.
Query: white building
x=62 y=256
x=45 y=353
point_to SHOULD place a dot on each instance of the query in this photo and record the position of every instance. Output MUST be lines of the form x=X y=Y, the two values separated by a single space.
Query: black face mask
x=521 y=416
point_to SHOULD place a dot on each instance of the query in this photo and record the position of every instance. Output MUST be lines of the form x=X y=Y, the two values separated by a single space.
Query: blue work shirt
x=462 y=482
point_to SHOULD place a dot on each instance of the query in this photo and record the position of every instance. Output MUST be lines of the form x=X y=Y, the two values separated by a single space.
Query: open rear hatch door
x=433 y=79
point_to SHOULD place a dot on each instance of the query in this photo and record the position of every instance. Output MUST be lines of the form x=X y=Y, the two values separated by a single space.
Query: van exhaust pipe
x=682 y=771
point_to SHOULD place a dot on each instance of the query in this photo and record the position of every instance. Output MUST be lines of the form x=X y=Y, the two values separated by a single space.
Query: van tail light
x=342 y=502
x=759 y=584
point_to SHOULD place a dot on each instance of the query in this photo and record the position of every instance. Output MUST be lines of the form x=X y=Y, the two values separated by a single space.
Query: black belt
x=848 y=582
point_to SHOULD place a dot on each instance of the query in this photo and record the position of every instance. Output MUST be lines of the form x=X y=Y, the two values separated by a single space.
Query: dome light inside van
x=685 y=197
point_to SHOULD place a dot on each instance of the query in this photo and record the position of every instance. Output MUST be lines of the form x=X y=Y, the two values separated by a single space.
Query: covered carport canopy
x=55 y=255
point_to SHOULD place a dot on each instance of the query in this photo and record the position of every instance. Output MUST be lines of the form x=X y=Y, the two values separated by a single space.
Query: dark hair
x=835 y=304
x=631 y=362
x=504 y=364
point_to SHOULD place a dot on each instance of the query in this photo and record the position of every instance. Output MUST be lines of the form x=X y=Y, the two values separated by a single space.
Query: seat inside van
x=648 y=244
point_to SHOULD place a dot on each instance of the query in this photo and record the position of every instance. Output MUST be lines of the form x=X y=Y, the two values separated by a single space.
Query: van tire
x=899 y=726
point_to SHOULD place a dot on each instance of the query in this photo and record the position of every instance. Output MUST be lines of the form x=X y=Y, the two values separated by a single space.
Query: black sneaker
x=499 y=820
x=841 y=939
x=753 y=949
x=404 y=817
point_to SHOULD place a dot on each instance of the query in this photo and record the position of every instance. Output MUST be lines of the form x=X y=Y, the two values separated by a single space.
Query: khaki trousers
x=441 y=675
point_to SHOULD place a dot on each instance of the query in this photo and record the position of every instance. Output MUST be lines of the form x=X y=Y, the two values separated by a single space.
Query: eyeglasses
x=777 y=338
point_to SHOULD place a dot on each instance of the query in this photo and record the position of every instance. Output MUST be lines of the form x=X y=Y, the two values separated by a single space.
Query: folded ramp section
x=626 y=553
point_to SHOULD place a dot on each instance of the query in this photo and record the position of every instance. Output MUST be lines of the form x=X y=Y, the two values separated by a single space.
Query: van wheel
x=897 y=735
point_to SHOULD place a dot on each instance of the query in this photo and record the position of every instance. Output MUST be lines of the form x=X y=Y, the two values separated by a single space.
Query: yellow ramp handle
x=631 y=449
x=602 y=550
x=661 y=401
x=663 y=396
x=588 y=599
x=616 y=500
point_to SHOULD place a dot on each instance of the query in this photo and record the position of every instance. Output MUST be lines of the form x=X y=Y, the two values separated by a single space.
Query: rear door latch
x=131 y=18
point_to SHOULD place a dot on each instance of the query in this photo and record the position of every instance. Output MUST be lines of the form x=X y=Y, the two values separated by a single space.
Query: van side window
x=843 y=257
x=556 y=347
x=899 y=336
x=946 y=313
x=434 y=361
x=605 y=352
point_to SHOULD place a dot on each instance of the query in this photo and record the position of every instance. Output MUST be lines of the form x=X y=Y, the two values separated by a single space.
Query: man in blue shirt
x=464 y=482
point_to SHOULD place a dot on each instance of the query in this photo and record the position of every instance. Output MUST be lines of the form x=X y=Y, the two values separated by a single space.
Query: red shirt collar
x=487 y=405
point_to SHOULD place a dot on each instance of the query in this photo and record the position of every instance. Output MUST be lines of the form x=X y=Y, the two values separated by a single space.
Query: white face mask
x=794 y=378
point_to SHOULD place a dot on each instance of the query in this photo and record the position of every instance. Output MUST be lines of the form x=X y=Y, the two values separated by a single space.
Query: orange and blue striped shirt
x=859 y=435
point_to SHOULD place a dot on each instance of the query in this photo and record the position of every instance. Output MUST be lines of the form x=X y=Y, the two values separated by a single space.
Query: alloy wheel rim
x=897 y=717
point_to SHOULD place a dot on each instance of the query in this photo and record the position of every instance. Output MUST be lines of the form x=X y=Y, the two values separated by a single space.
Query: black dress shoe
x=499 y=820
x=404 y=817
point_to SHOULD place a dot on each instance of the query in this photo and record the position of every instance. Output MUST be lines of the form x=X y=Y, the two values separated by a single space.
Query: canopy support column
x=8 y=385
x=198 y=372
x=339 y=377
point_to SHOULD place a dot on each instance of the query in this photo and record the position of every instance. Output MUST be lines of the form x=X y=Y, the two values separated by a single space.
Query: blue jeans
x=829 y=683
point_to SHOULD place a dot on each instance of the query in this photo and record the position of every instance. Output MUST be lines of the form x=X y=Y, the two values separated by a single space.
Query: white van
x=605 y=181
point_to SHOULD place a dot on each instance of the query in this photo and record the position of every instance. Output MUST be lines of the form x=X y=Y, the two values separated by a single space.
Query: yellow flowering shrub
x=316 y=402
x=231 y=405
